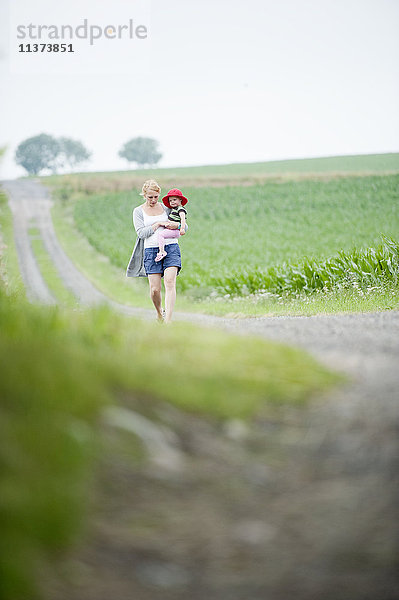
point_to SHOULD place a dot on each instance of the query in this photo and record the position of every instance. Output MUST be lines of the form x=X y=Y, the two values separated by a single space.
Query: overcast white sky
x=216 y=81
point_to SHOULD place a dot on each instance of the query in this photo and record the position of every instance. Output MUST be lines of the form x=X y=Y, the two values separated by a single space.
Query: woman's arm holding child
x=143 y=231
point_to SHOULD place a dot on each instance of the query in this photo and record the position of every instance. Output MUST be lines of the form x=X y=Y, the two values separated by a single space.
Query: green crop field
x=244 y=229
x=254 y=228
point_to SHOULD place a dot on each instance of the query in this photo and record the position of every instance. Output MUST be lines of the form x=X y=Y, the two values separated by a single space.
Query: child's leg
x=165 y=234
x=161 y=239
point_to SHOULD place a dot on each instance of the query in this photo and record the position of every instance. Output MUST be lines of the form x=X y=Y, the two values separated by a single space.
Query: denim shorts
x=172 y=259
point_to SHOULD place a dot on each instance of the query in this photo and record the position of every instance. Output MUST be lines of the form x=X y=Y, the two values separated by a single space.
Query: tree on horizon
x=141 y=150
x=44 y=151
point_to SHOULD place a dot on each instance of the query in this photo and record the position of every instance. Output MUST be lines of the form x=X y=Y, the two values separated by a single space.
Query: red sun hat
x=174 y=192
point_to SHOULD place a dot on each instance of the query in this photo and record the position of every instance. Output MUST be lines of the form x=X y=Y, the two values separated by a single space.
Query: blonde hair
x=150 y=184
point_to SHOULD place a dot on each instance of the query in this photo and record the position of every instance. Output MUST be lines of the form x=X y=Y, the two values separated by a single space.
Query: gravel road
x=346 y=451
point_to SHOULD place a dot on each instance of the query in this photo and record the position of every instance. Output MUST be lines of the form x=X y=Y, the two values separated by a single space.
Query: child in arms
x=174 y=200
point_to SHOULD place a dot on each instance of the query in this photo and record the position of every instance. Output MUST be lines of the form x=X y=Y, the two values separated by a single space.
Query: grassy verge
x=75 y=363
x=9 y=267
x=49 y=272
x=338 y=301
x=96 y=267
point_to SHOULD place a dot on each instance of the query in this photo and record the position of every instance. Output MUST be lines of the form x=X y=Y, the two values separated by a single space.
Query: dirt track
x=338 y=489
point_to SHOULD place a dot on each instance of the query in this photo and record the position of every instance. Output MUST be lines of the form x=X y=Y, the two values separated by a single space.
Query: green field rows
x=255 y=228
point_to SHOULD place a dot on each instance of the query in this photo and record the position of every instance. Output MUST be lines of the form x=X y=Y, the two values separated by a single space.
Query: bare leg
x=162 y=236
x=161 y=241
x=155 y=292
x=170 y=275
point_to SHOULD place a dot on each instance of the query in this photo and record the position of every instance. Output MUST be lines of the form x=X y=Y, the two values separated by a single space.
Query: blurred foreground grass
x=60 y=369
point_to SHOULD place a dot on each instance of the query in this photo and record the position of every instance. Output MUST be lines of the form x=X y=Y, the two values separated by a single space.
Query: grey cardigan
x=135 y=267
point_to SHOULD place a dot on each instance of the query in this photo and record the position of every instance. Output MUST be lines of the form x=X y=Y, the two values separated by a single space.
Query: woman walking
x=147 y=219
